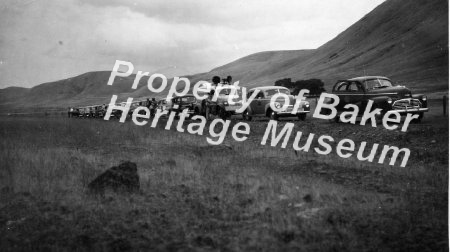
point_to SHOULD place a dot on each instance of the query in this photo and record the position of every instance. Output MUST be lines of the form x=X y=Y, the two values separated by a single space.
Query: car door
x=340 y=90
x=259 y=103
x=356 y=95
x=252 y=106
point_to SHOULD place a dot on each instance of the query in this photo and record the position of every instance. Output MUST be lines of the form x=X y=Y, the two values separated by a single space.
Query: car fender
x=382 y=102
x=420 y=98
x=267 y=109
x=249 y=110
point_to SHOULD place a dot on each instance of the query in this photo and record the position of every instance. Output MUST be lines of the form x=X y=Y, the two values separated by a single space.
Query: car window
x=225 y=91
x=238 y=92
x=342 y=86
x=385 y=83
x=189 y=99
x=260 y=95
x=270 y=92
x=353 y=87
x=284 y=91
x=372 y=84
x=229 y=91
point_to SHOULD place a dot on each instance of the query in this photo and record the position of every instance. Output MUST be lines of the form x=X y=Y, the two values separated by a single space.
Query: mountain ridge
x=406 y=41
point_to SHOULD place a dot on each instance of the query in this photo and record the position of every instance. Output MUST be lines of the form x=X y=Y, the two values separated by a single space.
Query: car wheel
x=208 y=114
x=336 y=118
x=246 y=116
x=302 y=117
x=379 y=117
x=419 y=119
x=222 y=113
x=273 y=115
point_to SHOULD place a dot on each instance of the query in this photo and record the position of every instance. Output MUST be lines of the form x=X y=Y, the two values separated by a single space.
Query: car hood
x=292 y=100
x=222 y=98
x=393 y=92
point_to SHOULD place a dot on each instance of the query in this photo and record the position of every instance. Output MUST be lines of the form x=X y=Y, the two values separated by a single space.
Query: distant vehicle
x=91 y=112
x=382 y=92
x=260 y=106
x=83 y=112
x=117 y=112
x=161 y=105
x=74 y=112
x=218 y=102
x=180 y=103
x=99 y=111
x=135 y=105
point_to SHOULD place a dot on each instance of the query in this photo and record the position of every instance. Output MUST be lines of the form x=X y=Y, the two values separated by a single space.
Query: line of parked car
x=224 y=100
x=94 y=111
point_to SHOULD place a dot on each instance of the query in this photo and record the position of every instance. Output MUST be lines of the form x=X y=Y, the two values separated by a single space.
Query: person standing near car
x=153 y=107
x=229 y=79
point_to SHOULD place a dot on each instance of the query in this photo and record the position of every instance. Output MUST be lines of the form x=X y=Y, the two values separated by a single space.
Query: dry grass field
x=236 y=196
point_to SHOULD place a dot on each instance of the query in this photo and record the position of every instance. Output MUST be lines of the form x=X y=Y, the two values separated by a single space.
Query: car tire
x=273 y=115
x=246 y=116
x=379 y=117
x=302 y=117
x=207 y=114
x=337 y=119
x=222 y=113
x=419 y=119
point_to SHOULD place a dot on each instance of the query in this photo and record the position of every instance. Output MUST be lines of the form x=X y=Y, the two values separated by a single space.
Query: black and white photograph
x=240 y=125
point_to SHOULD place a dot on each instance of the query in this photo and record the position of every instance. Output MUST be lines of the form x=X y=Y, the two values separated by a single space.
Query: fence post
x=444 y=104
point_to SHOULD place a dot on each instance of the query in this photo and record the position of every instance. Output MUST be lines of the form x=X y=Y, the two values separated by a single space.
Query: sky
x=49 y=40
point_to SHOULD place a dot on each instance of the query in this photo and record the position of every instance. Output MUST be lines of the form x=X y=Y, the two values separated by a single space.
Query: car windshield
x=377 y=83
x=189 y=99
x=228 y=91
x=272 y=92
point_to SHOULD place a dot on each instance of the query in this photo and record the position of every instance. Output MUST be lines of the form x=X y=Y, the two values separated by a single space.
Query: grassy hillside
x=240 y=196
x=404 y=40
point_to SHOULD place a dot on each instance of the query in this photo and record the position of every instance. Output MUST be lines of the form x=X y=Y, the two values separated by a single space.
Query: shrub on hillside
x=315 y=86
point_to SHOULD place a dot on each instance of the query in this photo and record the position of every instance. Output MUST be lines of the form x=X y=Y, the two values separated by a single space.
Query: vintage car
x=83 y=112
x=382 y=92
x=117 y=113
x=74 y=112
x=180 y=103
x=218 y=102
x=260 y=106
x=161 y=105
x=136 y=104
x=99 y=111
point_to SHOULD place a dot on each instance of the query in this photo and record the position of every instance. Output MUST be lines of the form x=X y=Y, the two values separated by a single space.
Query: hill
x=404 y=40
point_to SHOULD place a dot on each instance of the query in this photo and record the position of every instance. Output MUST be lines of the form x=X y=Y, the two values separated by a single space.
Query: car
x=382 y=92
x=161 y=105
x=218 y=101
x=99 y=111
x=260 y=106
x=83 y=112
x=136 y=104
x=180 y=103
x=74 y=112
x=117 y=113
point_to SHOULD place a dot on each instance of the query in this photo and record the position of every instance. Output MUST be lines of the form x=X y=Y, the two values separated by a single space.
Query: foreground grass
x=197 y=197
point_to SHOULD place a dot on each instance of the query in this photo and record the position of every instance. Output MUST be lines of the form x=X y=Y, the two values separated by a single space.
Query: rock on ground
x=122 y=178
